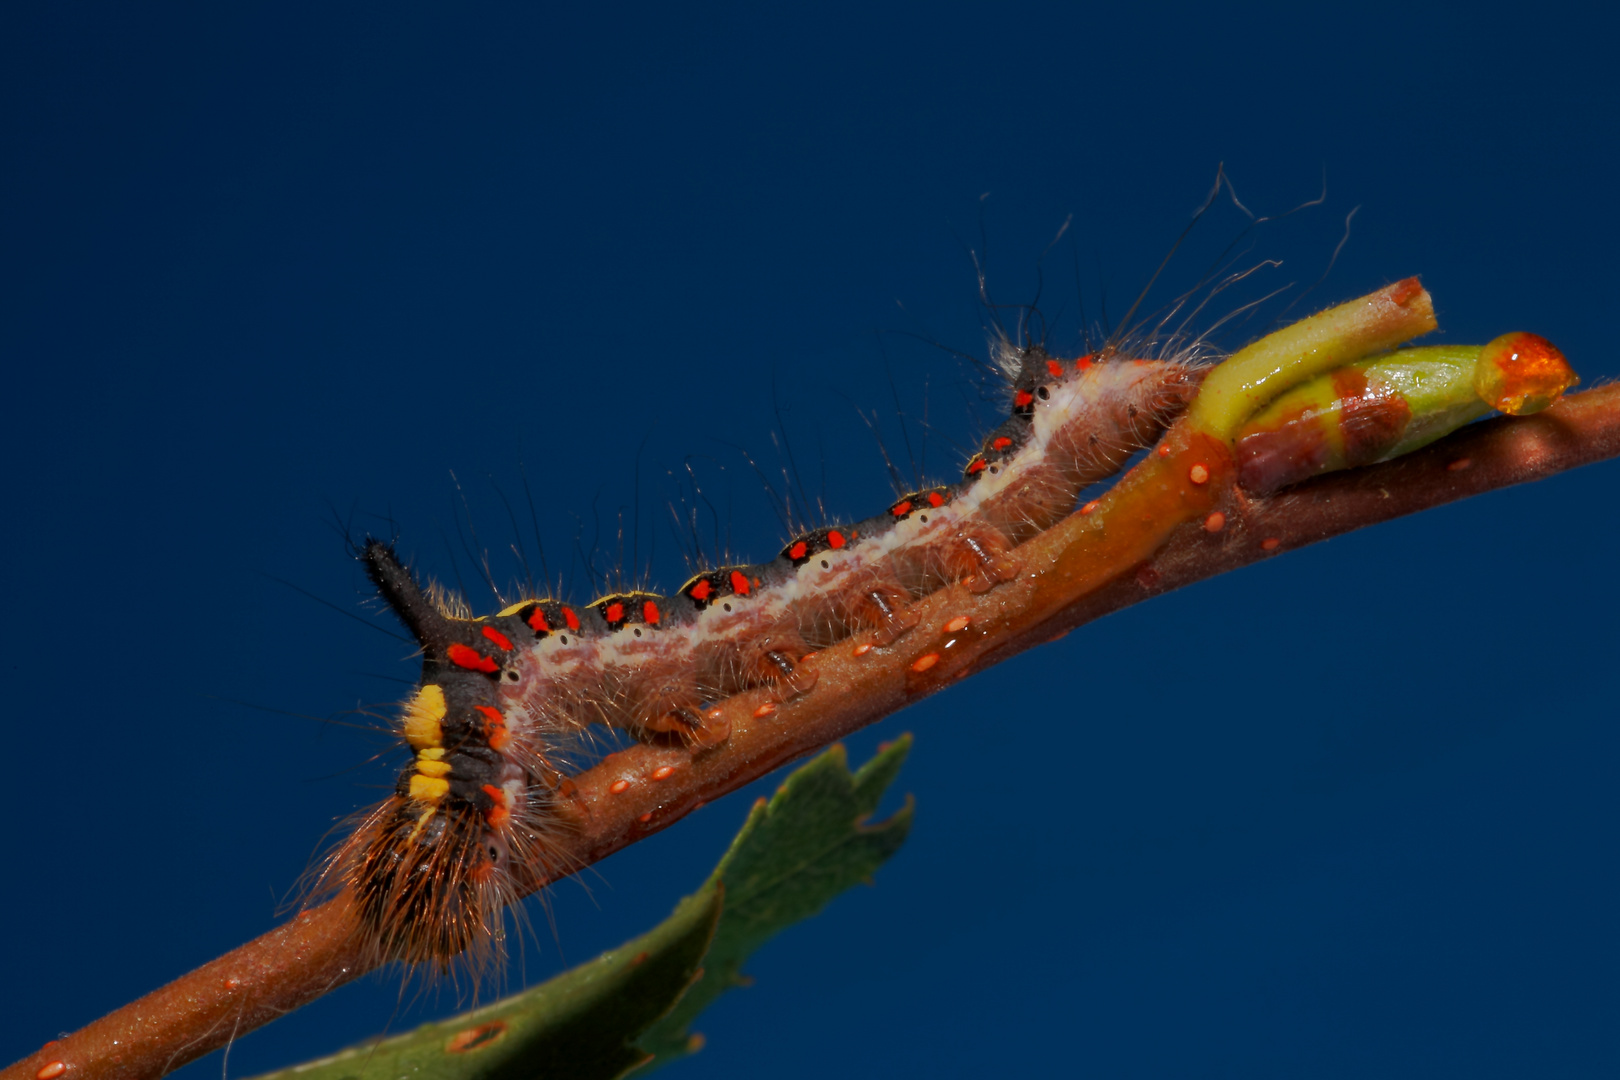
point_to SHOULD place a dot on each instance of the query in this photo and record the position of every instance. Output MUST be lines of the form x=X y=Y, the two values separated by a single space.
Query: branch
x=1155 y=532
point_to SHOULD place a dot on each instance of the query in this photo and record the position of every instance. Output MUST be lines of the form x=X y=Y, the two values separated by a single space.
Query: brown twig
x=1086 y=567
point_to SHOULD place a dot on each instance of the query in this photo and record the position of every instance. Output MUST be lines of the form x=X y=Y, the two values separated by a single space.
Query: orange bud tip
x=1521 y=373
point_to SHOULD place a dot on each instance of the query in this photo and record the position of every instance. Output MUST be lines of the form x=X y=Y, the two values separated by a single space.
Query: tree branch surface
x=1156 y=531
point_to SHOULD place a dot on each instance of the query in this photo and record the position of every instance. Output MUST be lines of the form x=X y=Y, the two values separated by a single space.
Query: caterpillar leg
x=698 y=731
x=887 y=610
x=670 y=702
x=774 y=662
x=980 y=559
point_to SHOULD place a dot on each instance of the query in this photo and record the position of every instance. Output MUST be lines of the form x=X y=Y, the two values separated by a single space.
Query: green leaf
x=582 y=1023
x=795 y=853
x=606 y=1017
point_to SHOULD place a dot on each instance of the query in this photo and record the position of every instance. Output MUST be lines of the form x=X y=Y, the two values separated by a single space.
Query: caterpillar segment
x=472 y=821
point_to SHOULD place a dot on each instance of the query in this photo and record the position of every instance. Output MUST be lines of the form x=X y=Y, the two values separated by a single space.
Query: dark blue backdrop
x=1352 y=812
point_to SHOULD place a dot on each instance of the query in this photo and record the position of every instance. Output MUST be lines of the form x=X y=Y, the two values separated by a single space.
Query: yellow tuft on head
x=423 y=715
x=429 y=767
x=512 y=609
x=429 y=789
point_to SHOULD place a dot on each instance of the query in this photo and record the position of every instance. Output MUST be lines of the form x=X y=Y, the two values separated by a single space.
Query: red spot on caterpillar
x=1084 y=363
x=498 y=815
x=835 y=539
x=1146 y=576
x=1090 y=506
x=644 y=818
x=863 y=648
x=640 y=958
x=901 y=508
x=649 y=612
x=935 y=499
x=1023 y=399
x=570 y=618
x=764 y=711
x=1215 y=522
x=500 y=639
x=1403 y=292
x=614 y=613
x=471 y=659
x=663 y=772
x=473 y=1038
x=1199 y=473
x=1055 y=368
x=925 y=661
x=619 y=787
x=232 y=984
x=700 y=591
x=1164 y=450
x=1460 y=464
x=739 y=583
x=1270 y=543
x=51 y=1071
x=798 y=551
x=537 y=621
x=976 y=466
x=712 y=714
x=1001 y=444
x=958 y=623
x=495 y=734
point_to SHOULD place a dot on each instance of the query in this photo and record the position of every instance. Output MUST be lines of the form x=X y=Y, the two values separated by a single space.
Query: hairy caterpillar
x=503 y=697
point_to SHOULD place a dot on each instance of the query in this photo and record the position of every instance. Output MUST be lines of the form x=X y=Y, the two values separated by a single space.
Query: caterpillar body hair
x=475 y=818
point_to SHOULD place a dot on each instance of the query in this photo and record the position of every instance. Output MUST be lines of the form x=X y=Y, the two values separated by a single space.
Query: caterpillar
x=504 y=699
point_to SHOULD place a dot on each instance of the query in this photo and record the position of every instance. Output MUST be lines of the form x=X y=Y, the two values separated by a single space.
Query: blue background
x=1350 y=812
